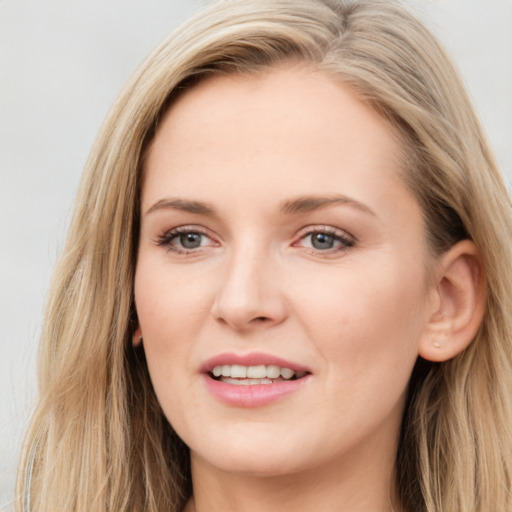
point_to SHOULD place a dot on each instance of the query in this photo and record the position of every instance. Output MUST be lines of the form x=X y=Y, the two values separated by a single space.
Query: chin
x=260 y=466
x=249 y=455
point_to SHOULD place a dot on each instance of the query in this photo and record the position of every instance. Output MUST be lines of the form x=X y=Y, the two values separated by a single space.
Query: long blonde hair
x=98 y=440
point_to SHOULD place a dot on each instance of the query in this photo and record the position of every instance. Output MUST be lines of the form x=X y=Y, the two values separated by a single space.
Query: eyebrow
x=306 y=204
x=302 y=204
x=184 y=205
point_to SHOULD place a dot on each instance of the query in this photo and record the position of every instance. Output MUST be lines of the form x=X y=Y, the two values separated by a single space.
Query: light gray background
x=62 y=63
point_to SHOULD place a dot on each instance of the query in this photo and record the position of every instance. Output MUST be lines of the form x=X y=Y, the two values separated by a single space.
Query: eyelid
x=346 y=238
x=165 y=238
x=325 y=228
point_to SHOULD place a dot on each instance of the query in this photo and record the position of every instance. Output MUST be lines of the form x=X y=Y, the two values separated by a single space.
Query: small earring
x=437 y=344
x=137 y=338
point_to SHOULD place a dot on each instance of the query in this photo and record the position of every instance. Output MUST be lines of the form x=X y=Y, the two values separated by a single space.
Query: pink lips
x=256 y=395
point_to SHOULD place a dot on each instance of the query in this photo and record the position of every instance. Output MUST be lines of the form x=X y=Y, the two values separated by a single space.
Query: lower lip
x=256 y=395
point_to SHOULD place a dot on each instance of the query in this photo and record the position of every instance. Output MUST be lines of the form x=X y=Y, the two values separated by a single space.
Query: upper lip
x=252 y=359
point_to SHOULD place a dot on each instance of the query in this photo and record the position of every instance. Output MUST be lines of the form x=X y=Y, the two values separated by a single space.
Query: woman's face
x=278 y=239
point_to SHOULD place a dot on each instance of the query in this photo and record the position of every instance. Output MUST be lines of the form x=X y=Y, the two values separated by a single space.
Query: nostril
x=261 y=318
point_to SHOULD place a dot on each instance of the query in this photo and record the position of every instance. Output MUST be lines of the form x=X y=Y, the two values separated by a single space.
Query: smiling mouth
x=240 y=375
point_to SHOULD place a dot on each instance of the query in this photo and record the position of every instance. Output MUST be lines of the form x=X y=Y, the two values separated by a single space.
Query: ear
x=459 y=305
x=137 y=337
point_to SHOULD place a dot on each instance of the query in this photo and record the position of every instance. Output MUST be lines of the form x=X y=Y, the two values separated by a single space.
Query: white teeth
x=273 y=372
x=249 y=373
x=239 y=372
x=246 y=382
x=256 y=372
x=286 y=373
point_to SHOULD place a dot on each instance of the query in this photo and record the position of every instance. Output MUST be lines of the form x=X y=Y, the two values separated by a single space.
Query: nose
x=249 y=294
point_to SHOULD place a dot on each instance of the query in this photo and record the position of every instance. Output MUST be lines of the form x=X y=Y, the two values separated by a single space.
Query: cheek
x=362 y=316
x=168 y=304
x=168 y=312
x=166 y=320
x=366 y=336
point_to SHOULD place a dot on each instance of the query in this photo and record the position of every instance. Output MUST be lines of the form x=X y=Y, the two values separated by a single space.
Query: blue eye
x=190 y=240
x=326 y=239
x=322 y=241
x=184 y=239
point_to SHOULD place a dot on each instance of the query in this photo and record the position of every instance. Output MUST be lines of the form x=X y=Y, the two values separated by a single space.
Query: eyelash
x=165 y=239
x=346 y=241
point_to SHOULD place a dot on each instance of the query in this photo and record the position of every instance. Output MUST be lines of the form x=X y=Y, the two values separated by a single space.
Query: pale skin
x=342 y=283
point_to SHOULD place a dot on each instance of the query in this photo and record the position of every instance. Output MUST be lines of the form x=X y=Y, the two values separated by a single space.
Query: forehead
x=289 y=129
x=275 y=94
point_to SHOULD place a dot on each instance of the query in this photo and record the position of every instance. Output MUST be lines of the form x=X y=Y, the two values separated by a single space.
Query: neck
x=364 y=486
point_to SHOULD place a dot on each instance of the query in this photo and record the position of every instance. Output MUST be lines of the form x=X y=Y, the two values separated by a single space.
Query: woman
x=286 y=283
